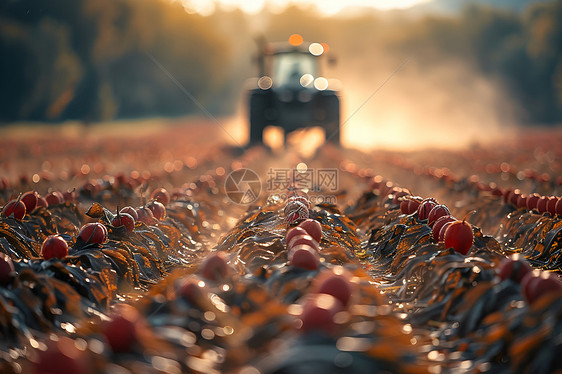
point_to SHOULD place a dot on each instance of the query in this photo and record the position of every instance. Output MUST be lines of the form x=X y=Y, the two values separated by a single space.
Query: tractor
x=290 y=92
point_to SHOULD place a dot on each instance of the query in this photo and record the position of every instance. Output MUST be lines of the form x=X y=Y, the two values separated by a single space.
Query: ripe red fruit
x=551 y=205
x=438 y=225
x=191 y=290
x=537 y=283
x=304 y=257
x=522 y=201
x=514 y=196
x=413 y=205
x=124 y=219
x=54 y=198
x=313 y=228
x=532 y=201
x=158 y=210
x=69 y=196
x=295 y=231
x=214 y=267
x=301 y=199
x=146 y=216
x=41 y=202
x=131 y=211
x=14 y=209
x=558 y=207
x=398 y=193
x=30 y=200
x=122 y=331
x=437 y=212
x=61 y=357
x=54 y=246
x=514 y=268
x=6 y=269
x=318 y=313
x=459 y=236
x=444 y=228
x=93 y=233
x=404 y=206
x=528 y=285
x=337 y=284
x=541 y=204
x=302 y=239
x=424 y=208
x=161 y=195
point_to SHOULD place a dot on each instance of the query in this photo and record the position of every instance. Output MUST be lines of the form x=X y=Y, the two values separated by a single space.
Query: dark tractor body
x=291 y=93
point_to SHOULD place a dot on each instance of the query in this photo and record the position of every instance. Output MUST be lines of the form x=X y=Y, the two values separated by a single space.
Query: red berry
x=158 y=210
x=548 y=283
x=295 y=231
x=318 y=313
x=14 y=209
x=93 y=233
x=558 y=207
x=459 y=236
x=532 y=201
x=161 y=195
x=301 y=199
x=61 y=357
x=413 y=205
x=69 y=196
x=54 y=198
x=131 y=211
x=41 y=202
x=397 y=194
x=191 y=290
x=437 y=212
x=146 y=216
x=514 y=268
x=30 y=200
x=6 y=269
x=304 y=257
x=302 y=239
x=537 y=283
x=404 y=206
x=214 y=267
x=528 y=285
x=54 y=246
x=337 y=284
x=522 y=201
x=124 y=219
x=541 y=204
x=438 y=225
x=444 y=228
x=424 y=208
x=551 y=205
x=122 y=331
x=313 y=228
x=514 y=196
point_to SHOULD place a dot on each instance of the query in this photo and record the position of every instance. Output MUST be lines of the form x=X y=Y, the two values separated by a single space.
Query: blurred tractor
x=291 y=93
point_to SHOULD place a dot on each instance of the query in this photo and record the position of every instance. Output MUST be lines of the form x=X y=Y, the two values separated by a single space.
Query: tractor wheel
x=332 y=126
x=258 y=106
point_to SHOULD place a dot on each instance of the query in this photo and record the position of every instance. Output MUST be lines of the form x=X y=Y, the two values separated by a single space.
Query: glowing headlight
x=265 y=82
x=320 y=83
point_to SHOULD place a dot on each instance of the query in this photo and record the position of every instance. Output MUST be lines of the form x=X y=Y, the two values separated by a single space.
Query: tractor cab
x=291 y=93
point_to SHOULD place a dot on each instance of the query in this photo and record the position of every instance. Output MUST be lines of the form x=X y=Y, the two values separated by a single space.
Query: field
x=213 y=285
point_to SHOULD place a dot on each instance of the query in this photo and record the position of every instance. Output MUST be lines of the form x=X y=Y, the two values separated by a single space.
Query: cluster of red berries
x=534 y=283
x=453 y=233
x=534 y=201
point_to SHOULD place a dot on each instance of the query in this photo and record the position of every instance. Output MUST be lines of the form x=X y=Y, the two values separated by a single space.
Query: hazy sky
x=326 y=6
